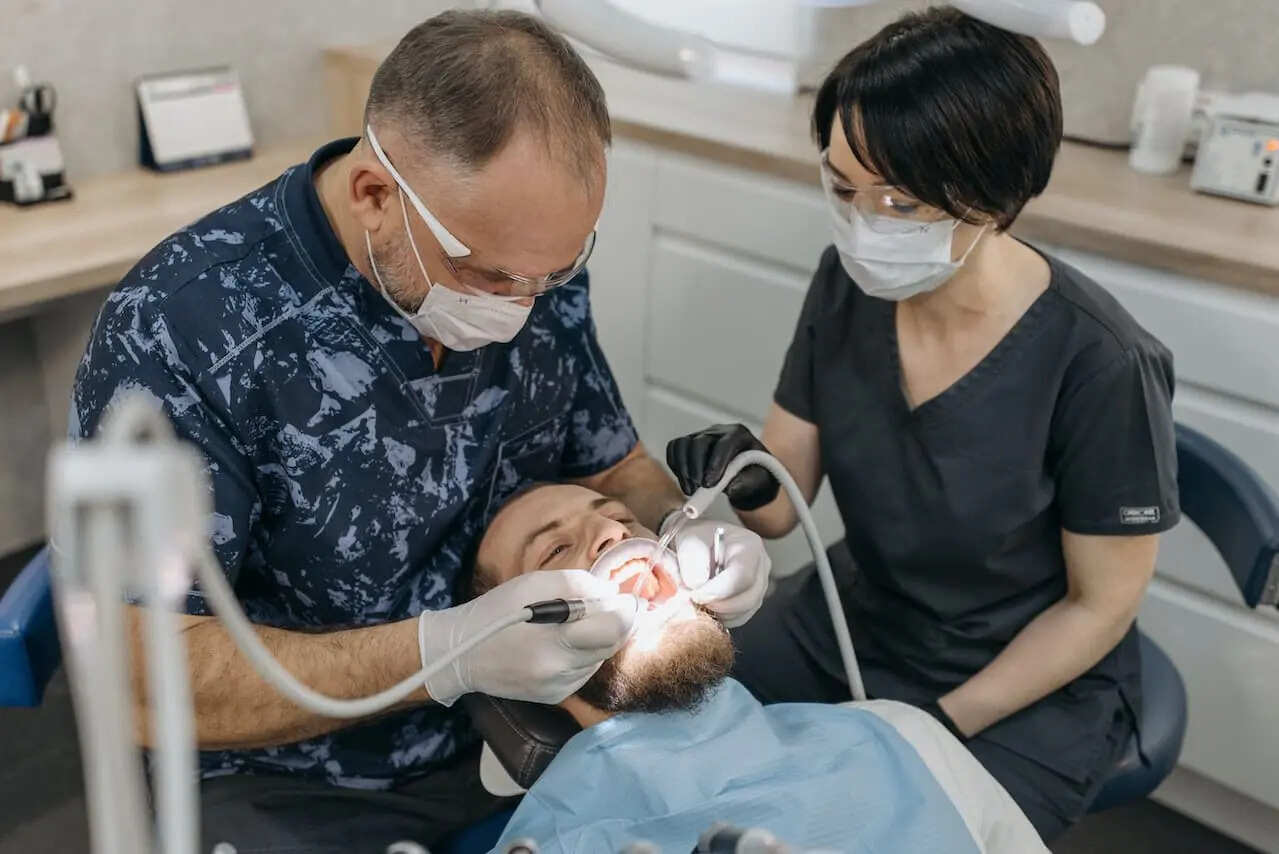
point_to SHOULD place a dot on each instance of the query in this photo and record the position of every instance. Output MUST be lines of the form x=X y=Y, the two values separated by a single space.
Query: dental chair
x=1229 y=502
x=1225 y=498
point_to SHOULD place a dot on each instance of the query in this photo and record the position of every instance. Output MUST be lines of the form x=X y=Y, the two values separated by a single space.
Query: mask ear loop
x=386 y=295
x=404 y=212
x=977 y=239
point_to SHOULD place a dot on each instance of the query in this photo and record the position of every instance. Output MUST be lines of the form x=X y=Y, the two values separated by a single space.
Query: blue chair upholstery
x=1143 y=766
x=1235 y=509
x=479 y=838
x=29 y=649
x=1239 y=514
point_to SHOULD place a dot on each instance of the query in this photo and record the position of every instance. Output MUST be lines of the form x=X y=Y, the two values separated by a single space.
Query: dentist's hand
x=541 y=663
x=699 y=459
x=734 y=588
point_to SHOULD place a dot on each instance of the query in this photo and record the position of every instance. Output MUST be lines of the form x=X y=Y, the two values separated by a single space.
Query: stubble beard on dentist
x=398 y=266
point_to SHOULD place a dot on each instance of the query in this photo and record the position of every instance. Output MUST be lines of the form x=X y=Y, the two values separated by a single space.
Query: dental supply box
x=192 y=118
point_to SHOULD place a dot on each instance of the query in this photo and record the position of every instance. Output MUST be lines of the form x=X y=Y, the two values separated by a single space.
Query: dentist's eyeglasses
x=495 y=280
x=513 y=284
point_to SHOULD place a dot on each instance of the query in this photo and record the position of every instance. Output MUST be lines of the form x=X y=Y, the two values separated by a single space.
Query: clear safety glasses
x=884 y=208
x=495 y=279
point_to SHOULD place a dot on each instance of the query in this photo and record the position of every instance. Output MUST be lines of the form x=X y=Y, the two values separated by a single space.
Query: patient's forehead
x=522 y=516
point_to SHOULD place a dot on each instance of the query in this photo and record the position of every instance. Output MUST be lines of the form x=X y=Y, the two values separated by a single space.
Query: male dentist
x=372 y=351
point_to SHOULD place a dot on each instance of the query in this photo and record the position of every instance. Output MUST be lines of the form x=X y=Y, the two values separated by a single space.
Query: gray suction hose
x=701 y=500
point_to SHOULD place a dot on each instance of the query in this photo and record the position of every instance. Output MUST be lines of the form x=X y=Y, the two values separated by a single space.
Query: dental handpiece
x=569 y=610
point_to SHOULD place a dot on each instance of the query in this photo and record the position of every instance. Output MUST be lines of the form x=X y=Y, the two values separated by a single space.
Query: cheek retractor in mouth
x=631 y=565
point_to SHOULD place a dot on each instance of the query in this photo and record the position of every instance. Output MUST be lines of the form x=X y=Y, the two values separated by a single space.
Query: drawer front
x=1226 y=658
x=669 y=416
x=719 y=326
x=747 y=213
x=1221 y=338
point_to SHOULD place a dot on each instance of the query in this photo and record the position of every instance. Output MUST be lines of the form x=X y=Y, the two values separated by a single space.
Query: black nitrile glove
x=699 y=459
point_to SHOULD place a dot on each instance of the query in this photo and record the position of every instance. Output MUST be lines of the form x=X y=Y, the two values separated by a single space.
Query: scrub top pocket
x=532 y=455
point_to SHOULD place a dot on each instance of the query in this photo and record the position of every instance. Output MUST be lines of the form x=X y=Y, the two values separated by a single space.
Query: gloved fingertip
x=673 y=453
x=719 y=588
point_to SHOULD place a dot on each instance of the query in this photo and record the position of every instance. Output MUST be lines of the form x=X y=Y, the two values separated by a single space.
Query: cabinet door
x=619 y=267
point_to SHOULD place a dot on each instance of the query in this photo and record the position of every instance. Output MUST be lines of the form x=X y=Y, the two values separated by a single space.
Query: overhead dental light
x=766 y=39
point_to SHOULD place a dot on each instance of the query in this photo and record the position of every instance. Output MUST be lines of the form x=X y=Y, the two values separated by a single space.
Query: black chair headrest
x=523 y=736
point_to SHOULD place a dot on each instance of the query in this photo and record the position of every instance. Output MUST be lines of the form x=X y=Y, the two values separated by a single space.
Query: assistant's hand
x=699 y=459
x=541 y=663
x=734 y=589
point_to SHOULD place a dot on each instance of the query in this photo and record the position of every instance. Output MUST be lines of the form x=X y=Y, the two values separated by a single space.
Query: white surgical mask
x=895 y=260
x=458 y=320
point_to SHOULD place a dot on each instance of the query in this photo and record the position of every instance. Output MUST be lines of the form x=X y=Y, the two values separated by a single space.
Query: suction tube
x=700 y=501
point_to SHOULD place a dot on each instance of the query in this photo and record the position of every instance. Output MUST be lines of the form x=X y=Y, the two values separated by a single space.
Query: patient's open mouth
x=648 y=582
x=631 y=566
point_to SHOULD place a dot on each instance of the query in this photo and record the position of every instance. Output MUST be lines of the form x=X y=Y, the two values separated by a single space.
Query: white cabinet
x=697 y=282
x=698 y=279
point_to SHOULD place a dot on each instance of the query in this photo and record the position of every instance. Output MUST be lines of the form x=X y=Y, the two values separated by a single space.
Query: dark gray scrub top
x=954 y=510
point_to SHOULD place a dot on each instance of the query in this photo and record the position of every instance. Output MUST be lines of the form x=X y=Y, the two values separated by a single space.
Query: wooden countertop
x=1094 y=202
x=63 y=248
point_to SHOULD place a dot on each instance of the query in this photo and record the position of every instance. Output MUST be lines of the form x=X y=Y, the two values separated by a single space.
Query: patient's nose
x=609 y=533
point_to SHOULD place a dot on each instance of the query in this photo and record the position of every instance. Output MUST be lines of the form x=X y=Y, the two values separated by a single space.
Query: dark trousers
x=264 y=814
x=780 y=660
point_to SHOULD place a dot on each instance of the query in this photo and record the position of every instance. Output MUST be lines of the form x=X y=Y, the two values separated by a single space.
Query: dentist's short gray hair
x=461 y=83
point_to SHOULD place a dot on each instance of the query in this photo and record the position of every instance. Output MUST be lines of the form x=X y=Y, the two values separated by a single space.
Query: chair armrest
x=1235 y=509
x=29 y=648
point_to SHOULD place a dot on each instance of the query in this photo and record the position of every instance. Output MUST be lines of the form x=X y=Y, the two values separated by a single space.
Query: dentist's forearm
x=642 y=484
x=236 y=709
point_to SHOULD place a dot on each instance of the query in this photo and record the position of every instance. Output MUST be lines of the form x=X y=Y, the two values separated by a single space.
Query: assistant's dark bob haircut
x=960 y=114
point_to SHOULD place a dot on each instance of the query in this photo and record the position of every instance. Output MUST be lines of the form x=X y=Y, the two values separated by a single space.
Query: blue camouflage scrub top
x=350 y=476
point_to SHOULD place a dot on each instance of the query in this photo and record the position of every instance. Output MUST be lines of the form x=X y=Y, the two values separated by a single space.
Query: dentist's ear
x=372 y=194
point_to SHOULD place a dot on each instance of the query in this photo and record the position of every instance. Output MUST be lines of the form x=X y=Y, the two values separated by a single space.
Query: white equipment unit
x=762 y=43
x=1238 y=157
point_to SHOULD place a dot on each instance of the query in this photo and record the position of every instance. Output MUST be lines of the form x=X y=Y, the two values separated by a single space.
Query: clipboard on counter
x=188 y=119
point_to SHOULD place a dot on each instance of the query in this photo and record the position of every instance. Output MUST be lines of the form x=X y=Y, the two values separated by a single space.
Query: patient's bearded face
x=679 y=651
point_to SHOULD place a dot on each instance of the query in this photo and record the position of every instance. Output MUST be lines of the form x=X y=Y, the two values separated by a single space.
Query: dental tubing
x=218 y=593
x=700 y=502
x=139 y=423
x=220 y=596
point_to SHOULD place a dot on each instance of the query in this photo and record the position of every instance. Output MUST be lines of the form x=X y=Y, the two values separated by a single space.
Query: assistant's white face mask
x=458 y=320
x=895 y=260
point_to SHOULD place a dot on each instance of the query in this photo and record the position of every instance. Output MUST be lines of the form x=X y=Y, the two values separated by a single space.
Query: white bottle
x=1161 y=118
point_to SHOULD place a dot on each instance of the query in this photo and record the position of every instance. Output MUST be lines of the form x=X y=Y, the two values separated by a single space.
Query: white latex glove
x=542 y=663
x=737 y=587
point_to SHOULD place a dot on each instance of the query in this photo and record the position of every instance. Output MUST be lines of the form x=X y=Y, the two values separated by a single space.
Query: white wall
x=92 y=50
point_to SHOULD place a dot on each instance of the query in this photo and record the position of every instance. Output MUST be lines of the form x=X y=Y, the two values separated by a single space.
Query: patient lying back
x=670 y=745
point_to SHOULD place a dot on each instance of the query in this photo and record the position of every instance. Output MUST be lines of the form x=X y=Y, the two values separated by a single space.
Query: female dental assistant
x=996 y=428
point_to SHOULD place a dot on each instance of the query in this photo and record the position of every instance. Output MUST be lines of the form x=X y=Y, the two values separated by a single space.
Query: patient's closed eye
x=555 y=552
